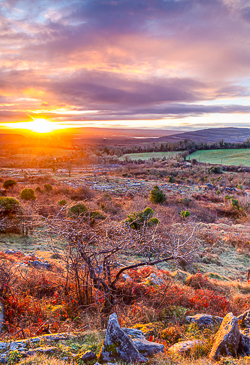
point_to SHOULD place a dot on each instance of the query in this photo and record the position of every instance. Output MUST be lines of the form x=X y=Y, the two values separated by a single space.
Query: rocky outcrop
x=204 y=320
x=127 y=344
x=184 y=347
x=87 y=356
x=244 y=319
x=244 y=347
x=118 y=346
x=227 y=339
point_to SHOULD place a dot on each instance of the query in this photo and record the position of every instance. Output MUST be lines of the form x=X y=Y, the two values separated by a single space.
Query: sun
x=41 y=125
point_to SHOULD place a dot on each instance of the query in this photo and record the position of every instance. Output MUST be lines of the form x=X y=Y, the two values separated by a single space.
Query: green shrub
x=216 y=170
x=157 y=195
x=79 y=209
x=62 y=202
x=95 y=214
x=28 y=194
x=235 y=203
x=9 y=184
x=137 y=220
x=38 y=189
x=48 y=187
x=153 y=221
x=185 y=213
x=218 y=192
x=9 y=206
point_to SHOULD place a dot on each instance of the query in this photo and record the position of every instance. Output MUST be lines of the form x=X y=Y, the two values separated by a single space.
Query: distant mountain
x=233 y=135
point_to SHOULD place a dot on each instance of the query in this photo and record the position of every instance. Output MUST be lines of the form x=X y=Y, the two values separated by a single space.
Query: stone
x=204 y=320
x=183 y=347
x=87 y=356
x=133 y=332
x=244 y=347
x=227 y=339
x=118 y=346
x=148 y=348
x=244 y=319
x=153 y=279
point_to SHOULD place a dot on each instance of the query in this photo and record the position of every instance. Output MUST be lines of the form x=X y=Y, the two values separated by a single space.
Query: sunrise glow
x=41 y=126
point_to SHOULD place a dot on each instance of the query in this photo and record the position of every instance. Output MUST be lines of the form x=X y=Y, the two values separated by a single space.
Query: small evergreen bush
x=185 y=213
x=9 y=183
x=137 y=220
x=157 y=195
x=9 y=206
x=62 y=202
x=28 y=194
x=79 y=209
x=48 y=187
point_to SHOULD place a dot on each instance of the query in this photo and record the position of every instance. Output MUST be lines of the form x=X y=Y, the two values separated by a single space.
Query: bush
x=28 y=194
x=9 y=184
x=62 y=202
x=157 y=195
x=38 y=189
x=9 y=206
x=217 y=170
x=185 y=213
x=81 y=193
x=78 y=209
x=48 y=187
x=137 y=220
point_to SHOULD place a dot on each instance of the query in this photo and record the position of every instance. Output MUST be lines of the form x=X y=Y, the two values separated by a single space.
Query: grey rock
x=88 y=356
x=244 y=319
x=227 y=339
x=148 y=348
x=117 y=345
x=184 y=347
x=244 y=347
x=133 y=332
x=204 y=320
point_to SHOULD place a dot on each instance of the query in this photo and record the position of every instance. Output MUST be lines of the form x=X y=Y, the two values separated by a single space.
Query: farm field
x=148 y=155
x=225 y=157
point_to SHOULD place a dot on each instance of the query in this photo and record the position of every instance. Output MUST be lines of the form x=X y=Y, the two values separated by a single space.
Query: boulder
x=153 y=279
x=118 y=346
x=87 y=356
x=183 y=347
x=244 y=347
x=244 y=319
x=227 y=339
x=204 y=320
x=148 y=348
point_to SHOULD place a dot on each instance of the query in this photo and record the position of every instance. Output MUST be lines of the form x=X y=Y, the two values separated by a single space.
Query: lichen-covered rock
x=244 y=319
x=204 y=320
x=133 y=332
x=183 y=347
x=118 y=346
x=148 y=348
x=244 y=347
x=227 y=339
x=87 y=356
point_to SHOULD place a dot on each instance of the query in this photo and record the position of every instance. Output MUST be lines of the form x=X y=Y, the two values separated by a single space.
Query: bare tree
x=102 y=253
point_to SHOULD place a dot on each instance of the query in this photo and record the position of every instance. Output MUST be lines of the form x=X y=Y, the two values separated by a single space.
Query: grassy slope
x=148 y=155
x=226 y=157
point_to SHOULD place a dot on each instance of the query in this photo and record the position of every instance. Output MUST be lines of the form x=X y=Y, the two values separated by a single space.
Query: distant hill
x=233 y=135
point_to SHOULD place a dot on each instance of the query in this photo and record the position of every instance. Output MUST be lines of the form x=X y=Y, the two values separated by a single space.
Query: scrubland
x=62 y=252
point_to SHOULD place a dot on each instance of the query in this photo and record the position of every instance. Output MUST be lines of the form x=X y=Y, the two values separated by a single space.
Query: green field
x=148 y=155
x=225 y=157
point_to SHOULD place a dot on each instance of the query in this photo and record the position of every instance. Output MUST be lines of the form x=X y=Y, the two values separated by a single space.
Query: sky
x=126 y=63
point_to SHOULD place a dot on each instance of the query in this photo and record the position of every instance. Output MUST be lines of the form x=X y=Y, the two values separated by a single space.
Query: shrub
x=9 y=206
x=186 y=201
x=235 y=203
x=78 y=209
x=81 y=193
x=216 y=170
x=62 y=202
x=28 y=194
x=38 y=189
x=9 y=184
x=185 y=213
x=48 y=187
x=97 y=215
x=157 y=195
x=137 y=220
